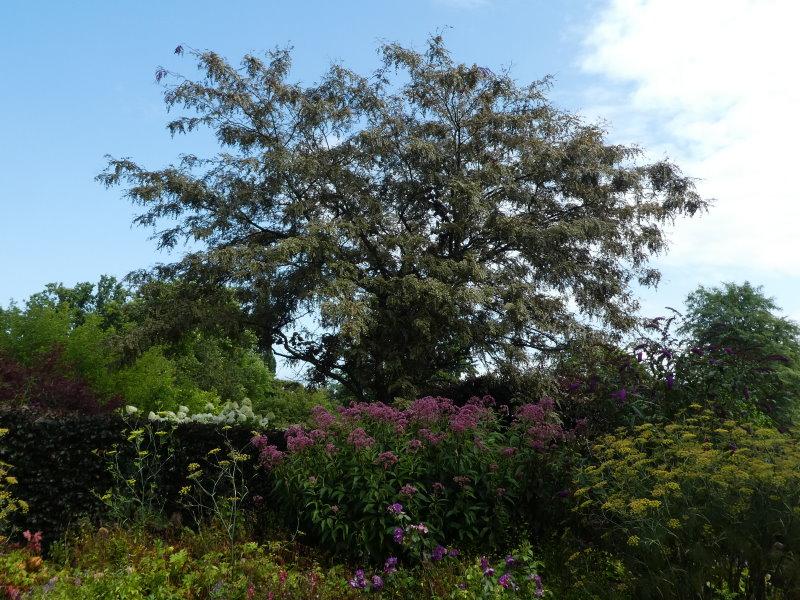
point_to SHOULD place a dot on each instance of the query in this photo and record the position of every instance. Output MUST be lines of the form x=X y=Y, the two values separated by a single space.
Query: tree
x=740 y=321
x=397 y=229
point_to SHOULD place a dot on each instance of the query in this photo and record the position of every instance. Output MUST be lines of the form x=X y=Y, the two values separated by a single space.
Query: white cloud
x=714 y=84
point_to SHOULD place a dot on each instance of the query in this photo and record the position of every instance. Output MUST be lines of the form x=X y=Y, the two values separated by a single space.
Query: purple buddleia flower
x=398 y=535
x=438 y=553
x=377 y=582
x=395 y=509
x=390 y=566
x=505 y=581
x=537 y=580
x=358 y=581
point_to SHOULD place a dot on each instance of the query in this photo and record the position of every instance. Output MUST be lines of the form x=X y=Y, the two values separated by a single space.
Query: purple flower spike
x=377 y=582
x=537 y=580
x=358 y=582
x=398 y=535
x=505 y=581
x=438 y=553
x=395 y=508
x=620 y=395
x=391 y=565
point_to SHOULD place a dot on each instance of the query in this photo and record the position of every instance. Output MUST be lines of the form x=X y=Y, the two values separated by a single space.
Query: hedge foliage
x=61 y=472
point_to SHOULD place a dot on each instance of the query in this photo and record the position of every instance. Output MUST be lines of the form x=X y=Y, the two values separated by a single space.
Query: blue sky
x=708 y=84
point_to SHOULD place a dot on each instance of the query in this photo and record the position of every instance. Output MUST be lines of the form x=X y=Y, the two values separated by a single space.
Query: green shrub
x=697 y=505
x=292 y=403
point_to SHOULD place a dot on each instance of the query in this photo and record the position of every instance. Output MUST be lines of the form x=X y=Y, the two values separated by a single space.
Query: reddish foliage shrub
x=49 y=386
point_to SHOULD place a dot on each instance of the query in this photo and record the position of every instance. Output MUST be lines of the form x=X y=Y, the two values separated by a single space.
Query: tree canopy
x=402 y=227
x=742 y=321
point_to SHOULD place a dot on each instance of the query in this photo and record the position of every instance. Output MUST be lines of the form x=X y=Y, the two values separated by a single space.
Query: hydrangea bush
x=369 y=475
x=231 y=413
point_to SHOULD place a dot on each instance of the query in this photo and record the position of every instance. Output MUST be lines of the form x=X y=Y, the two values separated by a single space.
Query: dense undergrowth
x=667 y=470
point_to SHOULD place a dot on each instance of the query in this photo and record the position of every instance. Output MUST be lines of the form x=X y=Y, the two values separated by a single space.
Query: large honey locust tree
x=399 y=228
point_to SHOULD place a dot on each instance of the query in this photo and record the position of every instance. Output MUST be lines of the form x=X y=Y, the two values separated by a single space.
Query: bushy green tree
x=155 y=346
x=741 y=321
x=394 y=230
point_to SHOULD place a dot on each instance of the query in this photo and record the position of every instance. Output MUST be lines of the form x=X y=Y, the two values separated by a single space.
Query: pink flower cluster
x=360 y=438
x=322 y=418
x=539 y=420
x=376 y=411
x=430 y=409
x=408 y=490
x=298 y=439
x=268 y=454
x=386 y=459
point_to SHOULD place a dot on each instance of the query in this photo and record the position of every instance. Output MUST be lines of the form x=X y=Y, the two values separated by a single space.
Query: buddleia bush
x=697 y=506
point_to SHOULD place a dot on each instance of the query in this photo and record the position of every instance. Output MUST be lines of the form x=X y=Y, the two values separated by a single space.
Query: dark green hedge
x=57 y=463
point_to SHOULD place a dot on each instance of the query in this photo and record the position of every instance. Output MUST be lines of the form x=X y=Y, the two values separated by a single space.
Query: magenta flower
x=414 y=445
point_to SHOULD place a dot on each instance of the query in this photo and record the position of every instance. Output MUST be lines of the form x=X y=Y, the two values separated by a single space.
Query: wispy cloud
x=714 y=84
